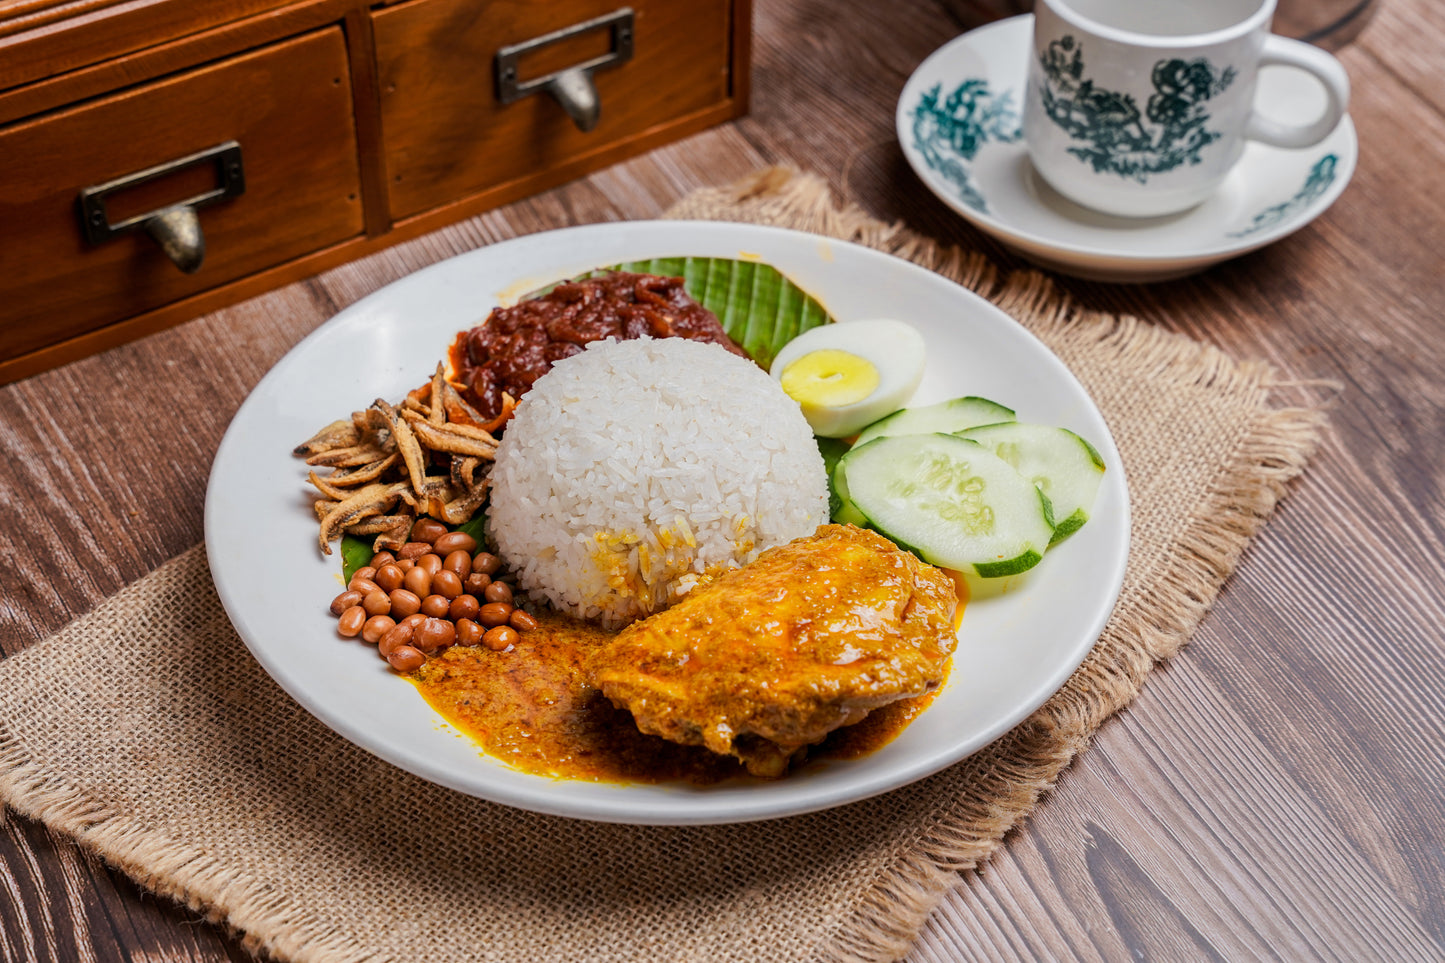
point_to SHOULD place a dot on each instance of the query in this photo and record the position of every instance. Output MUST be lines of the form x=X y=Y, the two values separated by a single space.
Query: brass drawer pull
x=176 y=228
x=572 y=86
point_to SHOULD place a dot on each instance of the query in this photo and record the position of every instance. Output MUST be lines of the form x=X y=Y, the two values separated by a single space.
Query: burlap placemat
x=146 y=731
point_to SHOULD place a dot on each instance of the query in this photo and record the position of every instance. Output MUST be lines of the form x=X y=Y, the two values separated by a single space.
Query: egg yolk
x=829 y=378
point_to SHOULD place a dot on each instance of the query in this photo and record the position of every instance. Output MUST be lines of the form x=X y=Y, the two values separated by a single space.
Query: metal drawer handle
x=573 y=86
x=176 y=228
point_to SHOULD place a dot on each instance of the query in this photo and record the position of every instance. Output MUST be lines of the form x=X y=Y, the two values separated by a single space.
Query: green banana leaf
x=355 y=553
x=758 y=306
x=832 y=450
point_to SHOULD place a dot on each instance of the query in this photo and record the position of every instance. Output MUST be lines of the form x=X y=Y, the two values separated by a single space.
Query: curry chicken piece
x=770 y=658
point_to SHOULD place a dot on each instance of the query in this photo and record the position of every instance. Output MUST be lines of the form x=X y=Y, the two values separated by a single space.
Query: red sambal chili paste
x=516 y=345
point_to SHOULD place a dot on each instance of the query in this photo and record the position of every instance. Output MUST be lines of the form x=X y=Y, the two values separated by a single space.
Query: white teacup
x=1141 y=107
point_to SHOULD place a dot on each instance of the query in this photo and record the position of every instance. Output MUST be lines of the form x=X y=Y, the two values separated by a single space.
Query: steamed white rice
x=633 y=470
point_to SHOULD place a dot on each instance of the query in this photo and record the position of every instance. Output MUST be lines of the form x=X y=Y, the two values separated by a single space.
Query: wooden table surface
x=1275 y=793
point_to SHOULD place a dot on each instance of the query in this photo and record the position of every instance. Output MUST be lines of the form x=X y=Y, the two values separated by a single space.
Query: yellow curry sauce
x=531 y=708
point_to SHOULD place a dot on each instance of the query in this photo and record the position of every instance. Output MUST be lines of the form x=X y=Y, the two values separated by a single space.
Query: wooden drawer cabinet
x=287 y=105
x=358 y=125
x=447 y=133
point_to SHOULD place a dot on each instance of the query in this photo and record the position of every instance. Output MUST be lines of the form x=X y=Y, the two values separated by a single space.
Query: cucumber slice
x=1066 y=468
x=946 y=416
x=950 y=501
x=844 y=512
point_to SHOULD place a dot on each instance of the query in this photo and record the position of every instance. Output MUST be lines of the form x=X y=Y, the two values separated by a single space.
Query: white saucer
x=980 y=168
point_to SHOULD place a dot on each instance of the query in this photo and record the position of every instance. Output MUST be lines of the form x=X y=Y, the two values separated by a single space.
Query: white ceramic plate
x=1014 y=650
x=971 y=155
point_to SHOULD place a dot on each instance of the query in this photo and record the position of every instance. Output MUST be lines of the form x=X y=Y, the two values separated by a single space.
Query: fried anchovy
x=456 y=439
x=459 y=510
x=366 y=473
x=437 y=415
x=338 y=434
x=370 y=500
x=350 y=457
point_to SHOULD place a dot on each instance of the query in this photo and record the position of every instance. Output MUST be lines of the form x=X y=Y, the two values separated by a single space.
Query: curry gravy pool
x=531 y=708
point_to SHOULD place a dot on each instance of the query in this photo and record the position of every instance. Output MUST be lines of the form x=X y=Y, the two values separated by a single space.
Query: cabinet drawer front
x=287 y=106
x=447 y=133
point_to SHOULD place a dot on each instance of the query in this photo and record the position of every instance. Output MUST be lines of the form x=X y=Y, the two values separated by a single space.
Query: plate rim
x=620 y=810
x=1089 y=255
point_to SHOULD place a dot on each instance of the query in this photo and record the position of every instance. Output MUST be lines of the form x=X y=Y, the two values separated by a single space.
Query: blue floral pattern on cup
x=1118 y=137
x=950 y=131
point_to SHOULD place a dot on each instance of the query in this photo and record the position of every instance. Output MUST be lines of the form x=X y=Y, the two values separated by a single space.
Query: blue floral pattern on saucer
x=949 y=133
x=1321 y=176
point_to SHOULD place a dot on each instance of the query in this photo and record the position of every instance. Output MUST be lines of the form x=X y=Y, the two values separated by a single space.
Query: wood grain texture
x=95 y=30
x=447 y=134
x=1275 y=791
x=160 y=58
x=289 y=105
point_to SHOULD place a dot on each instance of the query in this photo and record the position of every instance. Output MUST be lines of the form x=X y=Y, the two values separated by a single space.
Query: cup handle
x=1294 y=53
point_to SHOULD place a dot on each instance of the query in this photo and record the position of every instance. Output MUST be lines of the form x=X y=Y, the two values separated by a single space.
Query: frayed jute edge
x=1148 y=626
x=267 y=923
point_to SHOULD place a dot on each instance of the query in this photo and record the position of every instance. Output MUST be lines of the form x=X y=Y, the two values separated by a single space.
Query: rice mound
x=634 y=469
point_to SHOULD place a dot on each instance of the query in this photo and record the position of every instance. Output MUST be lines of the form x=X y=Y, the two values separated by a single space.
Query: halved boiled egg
x=848 y=375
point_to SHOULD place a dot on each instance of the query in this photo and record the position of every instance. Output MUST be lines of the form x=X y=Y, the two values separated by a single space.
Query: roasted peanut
x=459 y=562
x=404 y=603
x=413 y=550
x=454 y=541
x=446 y=583
x=494 y=614
x=345 y=601
x=405 y=658
x=351 y=621
x=499 y=638
x=468 y=632
x=418 y=582
x=434 y=634
x=376 y=627
x=377 y=603
x=427 y=530
x=400 y=634
x=363 y=585
x=464 y=607
x=389 y=577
